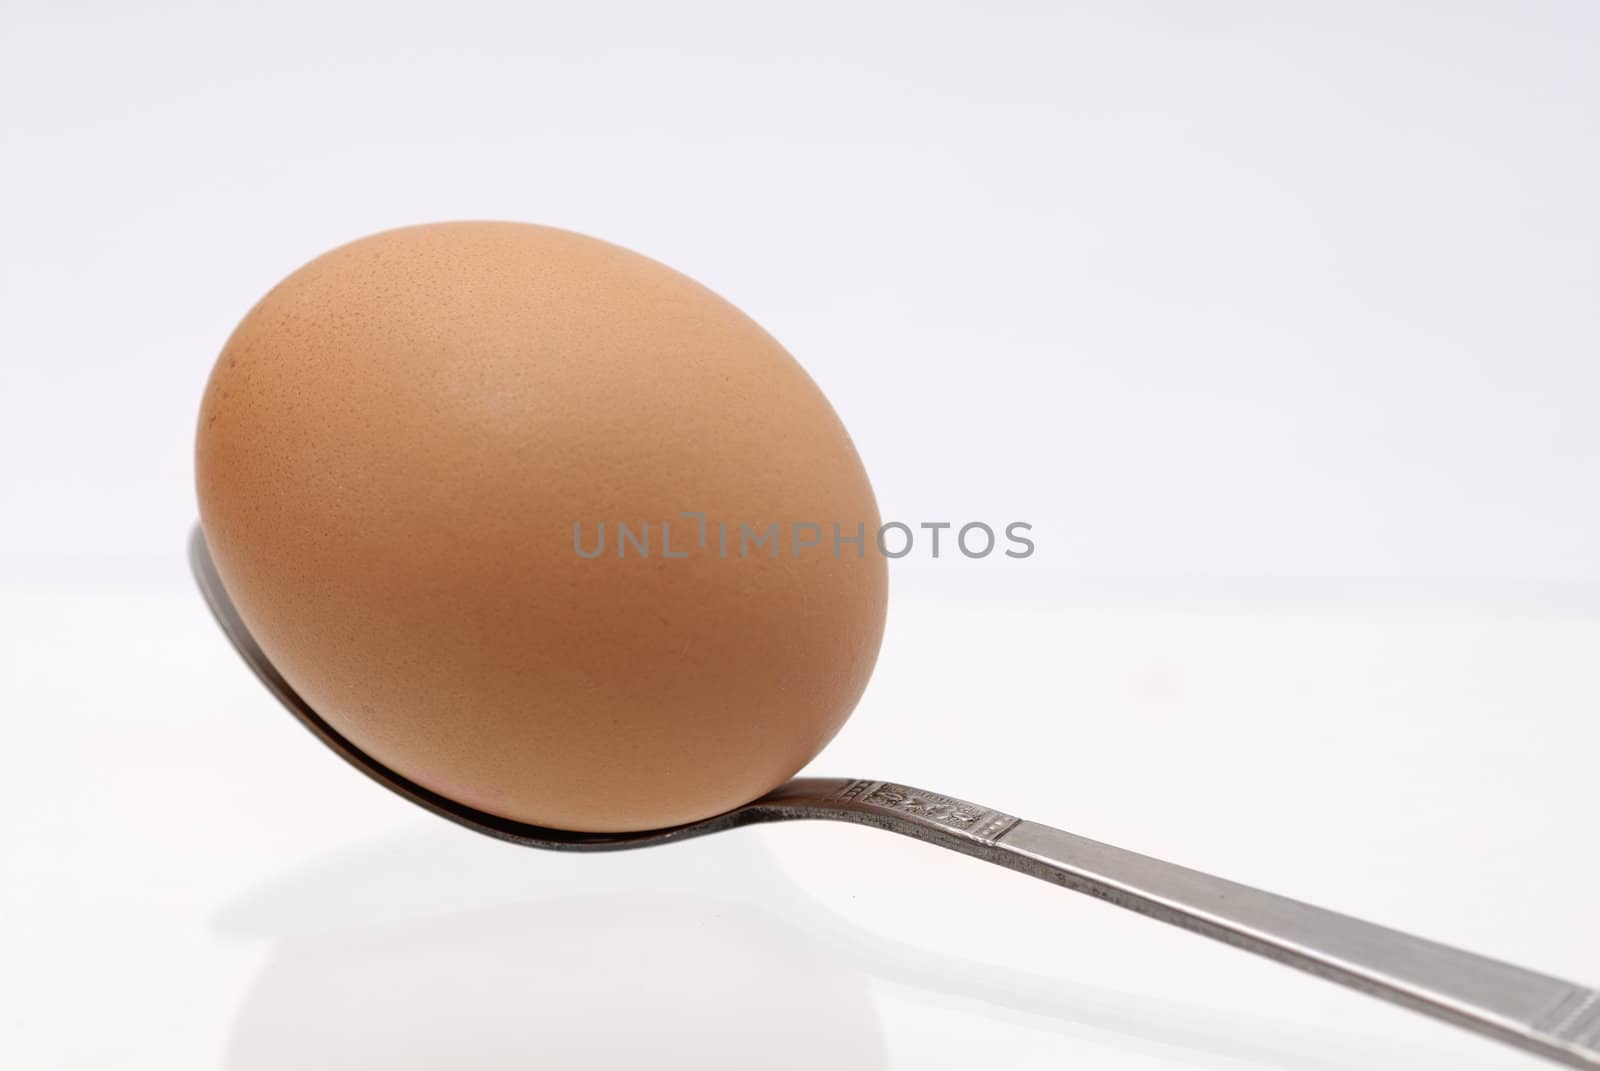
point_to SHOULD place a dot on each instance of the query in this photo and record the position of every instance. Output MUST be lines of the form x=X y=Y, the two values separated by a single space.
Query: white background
x=1200 y=289
x=1280 y=322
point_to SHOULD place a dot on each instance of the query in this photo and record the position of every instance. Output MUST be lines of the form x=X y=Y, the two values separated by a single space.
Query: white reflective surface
x=190 y=880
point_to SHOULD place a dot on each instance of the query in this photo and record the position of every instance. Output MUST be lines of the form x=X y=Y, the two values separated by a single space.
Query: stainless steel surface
x=1534 y=1012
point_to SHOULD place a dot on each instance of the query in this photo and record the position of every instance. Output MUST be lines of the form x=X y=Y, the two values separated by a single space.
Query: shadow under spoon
x=1546 y=1016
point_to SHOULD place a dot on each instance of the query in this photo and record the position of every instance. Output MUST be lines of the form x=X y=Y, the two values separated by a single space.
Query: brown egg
x=406 y=455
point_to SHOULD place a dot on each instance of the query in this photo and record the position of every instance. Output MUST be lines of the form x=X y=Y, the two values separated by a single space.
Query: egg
x=541 y=524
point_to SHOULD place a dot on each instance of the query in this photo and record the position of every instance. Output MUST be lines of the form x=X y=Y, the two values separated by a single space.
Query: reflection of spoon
x=446 y=908
x=1535 y=1012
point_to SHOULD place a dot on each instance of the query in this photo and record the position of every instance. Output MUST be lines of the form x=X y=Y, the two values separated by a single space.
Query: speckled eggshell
x=393 y=450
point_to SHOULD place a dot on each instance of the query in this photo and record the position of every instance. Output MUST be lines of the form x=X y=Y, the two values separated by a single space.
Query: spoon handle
x=1535 y=1012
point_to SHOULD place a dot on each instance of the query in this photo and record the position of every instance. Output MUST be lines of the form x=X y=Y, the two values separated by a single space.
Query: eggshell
x=394 y=448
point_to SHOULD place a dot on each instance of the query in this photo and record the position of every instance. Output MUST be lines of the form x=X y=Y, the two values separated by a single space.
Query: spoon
x=1546 y=1016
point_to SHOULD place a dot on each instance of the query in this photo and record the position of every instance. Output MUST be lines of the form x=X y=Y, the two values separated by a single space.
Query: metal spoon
x=1546 y=1016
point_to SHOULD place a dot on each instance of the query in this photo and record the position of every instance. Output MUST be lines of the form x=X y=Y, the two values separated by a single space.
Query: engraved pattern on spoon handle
x=1534 y=1012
